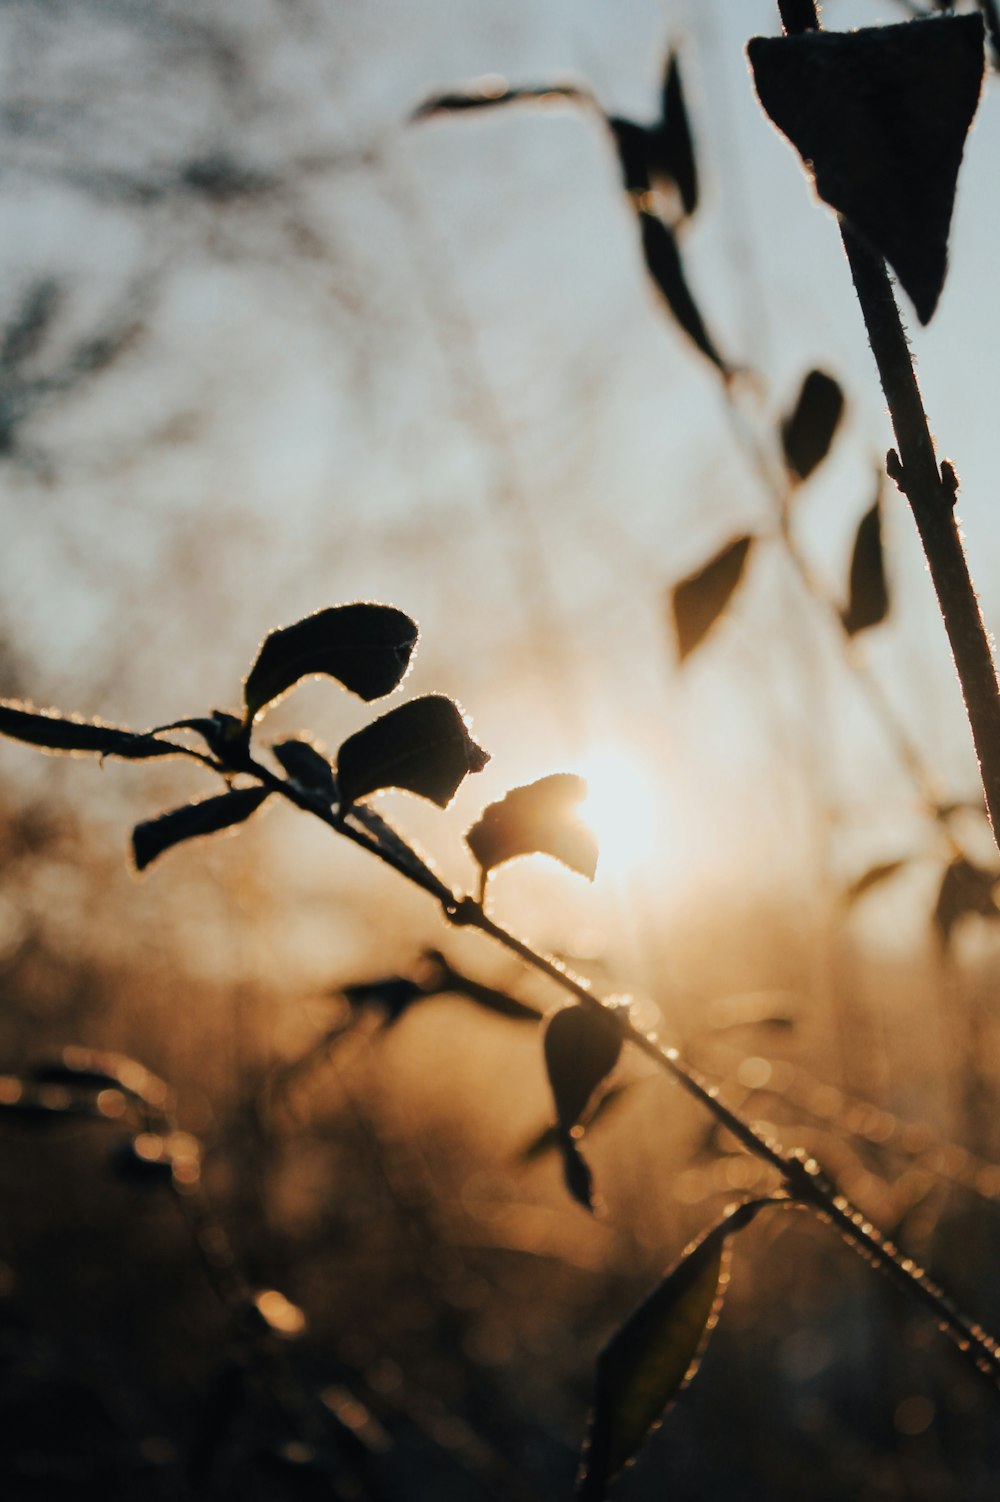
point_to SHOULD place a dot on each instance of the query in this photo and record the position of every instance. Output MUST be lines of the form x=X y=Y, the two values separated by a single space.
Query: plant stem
x=801 y=1176
x=931 y=494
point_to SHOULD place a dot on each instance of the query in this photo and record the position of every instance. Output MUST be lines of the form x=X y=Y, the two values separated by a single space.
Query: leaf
x=663 y=262
x=208 y=816
x=873 y=877
x=448 y=979
x=808 y=430
x=490 y=92
x=965 y=890
x=700 y=599
x=393 y=995
x=673 y=144
x=308 y=767
x=537 y=819
x=634 y=145
x=880 y=118
x=54 y=732
x=655 y=1354
x=423 y=747
x=582 y=1045
x=868 y=604
x=367 y=648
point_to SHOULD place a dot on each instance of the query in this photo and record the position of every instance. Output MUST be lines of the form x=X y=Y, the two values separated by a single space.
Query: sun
x=625 y=809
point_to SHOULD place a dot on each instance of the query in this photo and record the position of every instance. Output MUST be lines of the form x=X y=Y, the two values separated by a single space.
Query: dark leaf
x=873 y=877
x=447 y=978
x=393 y=995
x=367 y=648
x=868 y=604
x=700 y=599
x=538 y=819
x=808 y=431
x=53 y=732
x=308 y=767
x=633 y=144
x=387 y=837
x=492 y=91
x=663 y=262
x=965 y=890
x=224 y=734
x=655 y=1354
x=880 y=117
x=209 y=816
x=674 y=147
x=582 y=1046
x=423 y=746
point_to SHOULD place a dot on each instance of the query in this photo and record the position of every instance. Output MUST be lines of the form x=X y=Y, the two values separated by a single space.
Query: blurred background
x=269 y=343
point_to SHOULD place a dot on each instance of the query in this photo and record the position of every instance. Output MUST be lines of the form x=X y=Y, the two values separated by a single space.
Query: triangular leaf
x=700 y=599
x=208 y=816
x=308 y=767
x=655 y=1354
x=868 y=604
x=582 y=1046
x=663 y=262
x=634 y=145
x=674 y=147
x=367 y=648
x=873 y=877
x=965 y=890
x=539 y=818
x=54 y=732
x=808 y=430
x=423 y=746
x=880 y=117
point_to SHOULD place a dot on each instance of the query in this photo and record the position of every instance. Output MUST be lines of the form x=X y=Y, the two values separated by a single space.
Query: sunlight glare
x=624 y=807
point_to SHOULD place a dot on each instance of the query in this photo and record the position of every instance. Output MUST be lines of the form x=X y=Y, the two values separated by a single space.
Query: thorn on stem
x=894 y=469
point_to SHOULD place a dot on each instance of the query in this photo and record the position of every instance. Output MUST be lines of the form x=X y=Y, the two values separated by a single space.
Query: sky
x=422 y=363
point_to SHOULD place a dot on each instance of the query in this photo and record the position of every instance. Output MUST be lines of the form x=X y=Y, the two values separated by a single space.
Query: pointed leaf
x=394 y=995
x=674 y=147
x=634 y=145
x=663 y=262
x=209 y=816
x=808 y=431
x=873 y=877
x=537 y=819
x=54 y=732
x=308 y=767
x=501 y=1003
x=582 y=1046
x=965 y=890
x=655 y=1354
x=367 y=648
x=700 y=599
x=423 y=746
x=869 y=598
x=880 y=117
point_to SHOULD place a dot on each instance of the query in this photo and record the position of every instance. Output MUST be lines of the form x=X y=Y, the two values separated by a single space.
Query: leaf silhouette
x=208 y=816
x=634 y=145
x=663 y=262
x=674 y=147
x=700 y=599
x=880 y=118
x=808 y=430
x=582 y=1046
x=308 y=767
x=537 y=819
x=655 y=1354
x=489 y=93
x=393 y=995
x=55 y=732
x=873 y=877
x=423 y=747
x=868 y=604
x=367 y=648
x=966 y=889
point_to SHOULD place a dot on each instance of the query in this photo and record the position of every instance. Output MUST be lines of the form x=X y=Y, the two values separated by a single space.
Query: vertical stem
x=931 y=493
